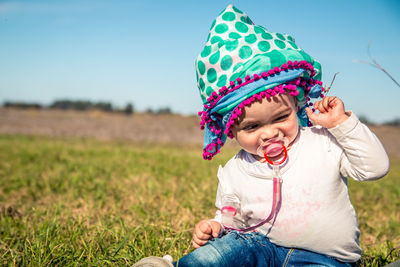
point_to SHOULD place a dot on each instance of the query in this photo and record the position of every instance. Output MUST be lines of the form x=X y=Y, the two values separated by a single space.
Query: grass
x=72 y=201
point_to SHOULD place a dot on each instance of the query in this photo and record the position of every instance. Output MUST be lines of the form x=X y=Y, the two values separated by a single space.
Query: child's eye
x=250 y=127
x=281 y=118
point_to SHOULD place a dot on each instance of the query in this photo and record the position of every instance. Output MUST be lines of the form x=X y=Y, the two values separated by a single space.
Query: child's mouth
x=272 y=148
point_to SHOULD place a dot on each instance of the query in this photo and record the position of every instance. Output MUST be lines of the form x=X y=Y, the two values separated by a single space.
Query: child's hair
x=242 y=62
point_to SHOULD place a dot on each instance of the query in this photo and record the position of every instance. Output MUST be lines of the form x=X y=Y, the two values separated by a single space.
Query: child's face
x=266 y=119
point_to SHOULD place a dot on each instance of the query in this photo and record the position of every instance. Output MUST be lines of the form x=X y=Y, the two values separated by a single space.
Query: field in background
x=68 y=200
x=162 y=128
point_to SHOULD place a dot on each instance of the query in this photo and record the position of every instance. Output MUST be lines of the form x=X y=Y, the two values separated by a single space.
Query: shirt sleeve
x=363 y=157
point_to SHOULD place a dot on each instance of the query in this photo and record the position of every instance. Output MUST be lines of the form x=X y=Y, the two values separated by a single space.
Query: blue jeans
x=252 y=249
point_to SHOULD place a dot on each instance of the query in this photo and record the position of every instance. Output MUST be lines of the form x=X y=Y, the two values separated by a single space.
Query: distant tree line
x=84 y=105
x=81 y=105
x=22 y=105
x=65 y=104
x=165 y=110
x=395 y=122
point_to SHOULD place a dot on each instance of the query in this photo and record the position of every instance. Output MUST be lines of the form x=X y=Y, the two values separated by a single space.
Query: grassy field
x=77 y=201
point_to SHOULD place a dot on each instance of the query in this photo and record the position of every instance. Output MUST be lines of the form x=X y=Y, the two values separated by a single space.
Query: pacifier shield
x=273 y=150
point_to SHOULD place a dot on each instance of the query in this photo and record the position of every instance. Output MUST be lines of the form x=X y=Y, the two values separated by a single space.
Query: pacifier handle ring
x=277 y=163
x=229 y=209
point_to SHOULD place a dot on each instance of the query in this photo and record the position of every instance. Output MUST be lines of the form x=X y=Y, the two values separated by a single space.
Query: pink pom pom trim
x=290 y=87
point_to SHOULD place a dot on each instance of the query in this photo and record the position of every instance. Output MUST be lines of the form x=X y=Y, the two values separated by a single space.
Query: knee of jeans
x=207 y=255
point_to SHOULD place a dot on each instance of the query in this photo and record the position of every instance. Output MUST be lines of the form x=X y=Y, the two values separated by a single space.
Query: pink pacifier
x=272 y=148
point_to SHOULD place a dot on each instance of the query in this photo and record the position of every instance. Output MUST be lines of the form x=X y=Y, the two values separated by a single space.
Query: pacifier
x=273 y=148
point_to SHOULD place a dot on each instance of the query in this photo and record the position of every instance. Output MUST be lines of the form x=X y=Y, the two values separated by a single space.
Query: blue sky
x=143 y=52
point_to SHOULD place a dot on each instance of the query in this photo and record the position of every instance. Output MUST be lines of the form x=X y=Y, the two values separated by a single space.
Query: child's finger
x=202 y=231
x=318 y=106
x=216 y=228
x=196 y=242
x=205 y=227
x=329 y=102
x=311 y=115
x=322 y=105
x=195 y=245
x=201 y=236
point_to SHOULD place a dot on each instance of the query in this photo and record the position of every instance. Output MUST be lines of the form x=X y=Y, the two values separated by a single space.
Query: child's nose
x=268 y=132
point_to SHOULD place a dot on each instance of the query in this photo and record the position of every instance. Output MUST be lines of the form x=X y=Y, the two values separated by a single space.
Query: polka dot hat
x=241 y=63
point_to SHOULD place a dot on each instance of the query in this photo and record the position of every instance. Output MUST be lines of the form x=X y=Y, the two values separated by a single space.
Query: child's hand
x=204 y=231
x=331 y=112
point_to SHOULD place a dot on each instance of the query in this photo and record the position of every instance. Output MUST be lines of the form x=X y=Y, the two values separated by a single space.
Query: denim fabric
x=252 y=249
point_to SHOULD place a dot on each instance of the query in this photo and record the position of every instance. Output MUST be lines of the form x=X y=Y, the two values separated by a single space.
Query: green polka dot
x=221 y=28
x=258 y=29
x=216 y=39
x=264 y=46
x=276 y=58
x=211 y=75
x=203 y=98
x=234 y=76
x=208 y=36
x=263 y=32
x=226 y=62
x=290 y=38
x=300 y=96
x=209 y=90
x=279 y=43
x=237 y=10
x=245 y=52
x=306 y=56
x=222 y=81
x=214 y=57
x=280 y=36
x=206 y=51
x=228 y=16
x=251 y=38
x=213 y=24
x=234 y=35
x=241 y=27
x=231 y=45
x=201 y=66
x=266 y=35
x=201 y=84
x=246 y=20
x=237 y=66
x=293 y=45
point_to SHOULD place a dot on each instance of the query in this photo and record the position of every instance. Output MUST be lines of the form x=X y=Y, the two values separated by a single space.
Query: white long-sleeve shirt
x=316 y=213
